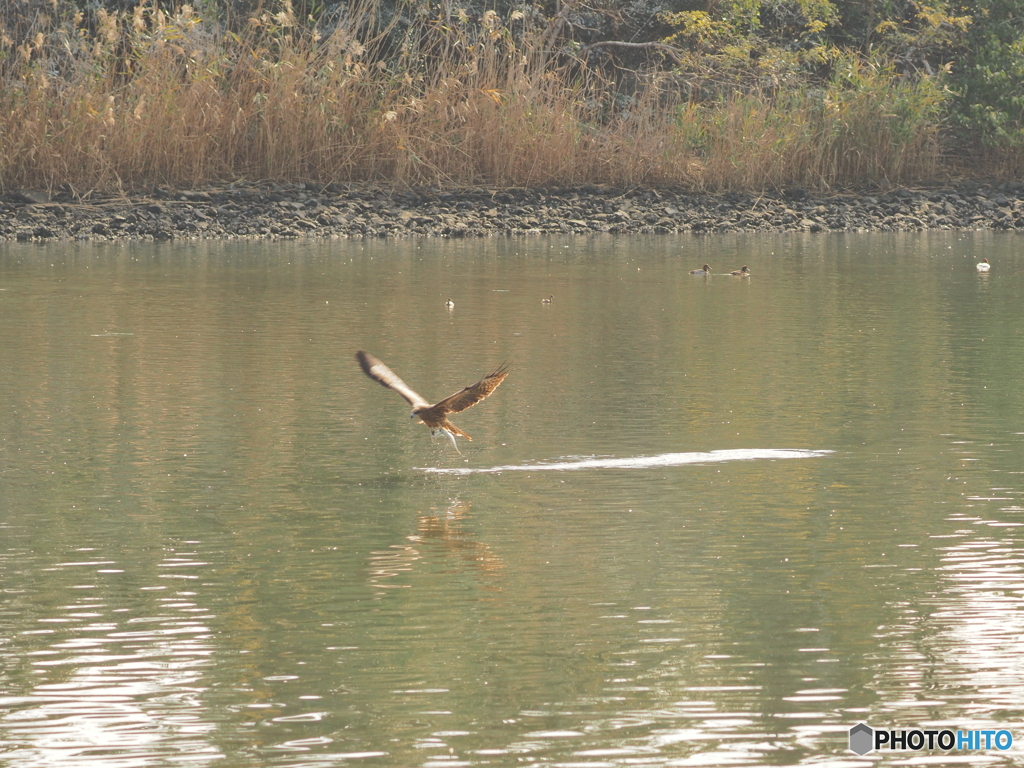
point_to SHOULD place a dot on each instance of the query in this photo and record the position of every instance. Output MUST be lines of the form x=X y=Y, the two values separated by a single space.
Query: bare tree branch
x=670 y=51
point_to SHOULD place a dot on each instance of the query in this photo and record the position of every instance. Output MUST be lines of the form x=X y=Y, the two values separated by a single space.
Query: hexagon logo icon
x=862 y=738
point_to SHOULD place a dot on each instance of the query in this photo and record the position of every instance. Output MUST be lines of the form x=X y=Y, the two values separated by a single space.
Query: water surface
x=703 y=522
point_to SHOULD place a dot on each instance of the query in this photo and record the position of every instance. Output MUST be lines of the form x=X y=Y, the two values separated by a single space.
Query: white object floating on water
x=110 y=333
x=640 y=462
x=984 y=266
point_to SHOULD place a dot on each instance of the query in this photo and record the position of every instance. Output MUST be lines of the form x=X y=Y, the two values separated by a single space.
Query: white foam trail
x=640 y=462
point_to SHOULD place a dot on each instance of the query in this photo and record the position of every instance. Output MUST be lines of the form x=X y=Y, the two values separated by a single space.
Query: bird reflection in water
x=439 y=535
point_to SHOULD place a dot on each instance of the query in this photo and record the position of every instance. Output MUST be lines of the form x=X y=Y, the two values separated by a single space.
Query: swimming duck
x=547 y=300
x=705 y=271
x=984 y=266
x=741 y=272
x=450 y=304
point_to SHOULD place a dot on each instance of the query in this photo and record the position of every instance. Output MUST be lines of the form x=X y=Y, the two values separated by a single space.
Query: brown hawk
x=434 y=416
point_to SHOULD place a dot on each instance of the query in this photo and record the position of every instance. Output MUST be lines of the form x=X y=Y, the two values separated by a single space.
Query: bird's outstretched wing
x=384 y=376
x=472 y=395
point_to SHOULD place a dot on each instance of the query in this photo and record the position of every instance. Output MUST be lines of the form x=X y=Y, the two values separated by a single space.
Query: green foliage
x=989 y=76
x=781 y=23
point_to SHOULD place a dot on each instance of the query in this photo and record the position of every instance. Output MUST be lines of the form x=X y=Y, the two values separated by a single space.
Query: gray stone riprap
x=271 y=211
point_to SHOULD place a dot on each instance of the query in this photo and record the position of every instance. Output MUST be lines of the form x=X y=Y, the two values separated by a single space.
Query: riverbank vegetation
x=738 y=94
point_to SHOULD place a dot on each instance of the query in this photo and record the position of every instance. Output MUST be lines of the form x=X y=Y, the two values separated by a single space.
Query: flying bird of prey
x=434 y=416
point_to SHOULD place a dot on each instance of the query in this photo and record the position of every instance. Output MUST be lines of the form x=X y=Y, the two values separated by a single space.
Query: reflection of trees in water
x=440 y=536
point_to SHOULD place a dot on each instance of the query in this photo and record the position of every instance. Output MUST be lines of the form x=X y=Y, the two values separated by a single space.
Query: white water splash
x=641 y=462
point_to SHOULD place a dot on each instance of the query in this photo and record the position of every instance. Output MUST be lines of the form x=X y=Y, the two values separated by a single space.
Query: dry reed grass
x=148 y=98
x=865 y=126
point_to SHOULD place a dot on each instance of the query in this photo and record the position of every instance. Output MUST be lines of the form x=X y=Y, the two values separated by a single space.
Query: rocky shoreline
x=274 y=211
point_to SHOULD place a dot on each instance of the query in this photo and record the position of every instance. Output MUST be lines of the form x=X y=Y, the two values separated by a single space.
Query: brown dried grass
x=155 y=99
